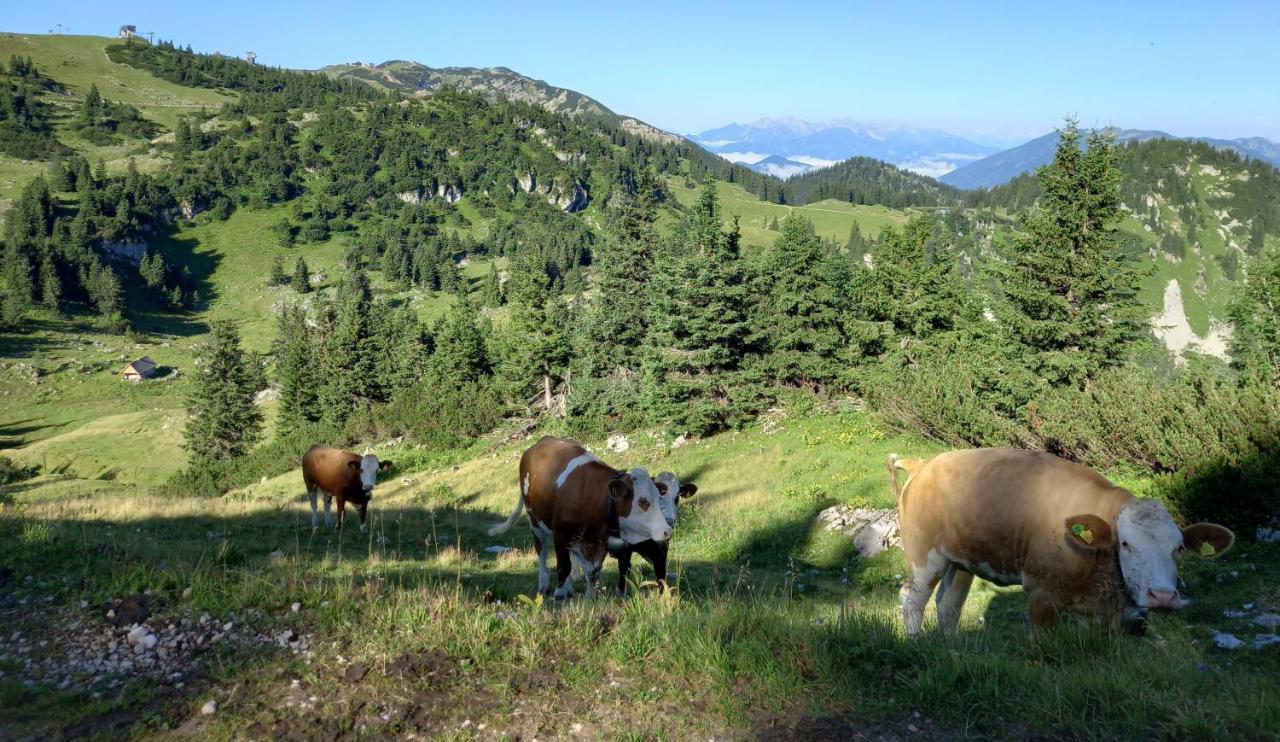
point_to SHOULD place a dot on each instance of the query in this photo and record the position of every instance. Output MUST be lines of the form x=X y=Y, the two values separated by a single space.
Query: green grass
x=80 y=61
x=831 y=219
x=775 y=623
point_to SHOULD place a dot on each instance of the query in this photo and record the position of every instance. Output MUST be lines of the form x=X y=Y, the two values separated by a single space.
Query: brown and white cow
x=1075 y=542
x=585 y=509
x=342 y=475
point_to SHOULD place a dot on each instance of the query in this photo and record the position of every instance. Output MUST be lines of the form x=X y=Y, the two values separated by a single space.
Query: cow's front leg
x=564 y=572
x=362 y=509
x=328 y=503
x=624 y=570
x=660 y=566
x=1042 y=609
x=342 y=512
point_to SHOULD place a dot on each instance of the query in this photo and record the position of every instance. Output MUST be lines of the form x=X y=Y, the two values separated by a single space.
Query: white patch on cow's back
x=569 y=468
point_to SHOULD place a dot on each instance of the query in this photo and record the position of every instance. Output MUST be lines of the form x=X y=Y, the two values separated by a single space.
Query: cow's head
x=672 y=491
x=1149 y=545
x=638 y=504
x=367 y=469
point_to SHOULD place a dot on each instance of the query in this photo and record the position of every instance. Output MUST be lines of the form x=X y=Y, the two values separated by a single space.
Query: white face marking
x=645 y=521
x=1148 y=542
x=368 y=471
x=577 y=461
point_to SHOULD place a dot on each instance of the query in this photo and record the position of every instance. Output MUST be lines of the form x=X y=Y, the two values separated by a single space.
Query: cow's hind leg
x=544 y=575
x=921 y=579
x=315 y=516
x=584 y=569
x=328 y=502
x=952 y=591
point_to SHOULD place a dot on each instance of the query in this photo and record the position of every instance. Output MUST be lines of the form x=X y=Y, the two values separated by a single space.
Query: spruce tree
x=1071 y=295
x=301 y=280
x=492 y=294
x=696 y=366
x=1255 y=317
x=222 y=420
x=616 y=323
x=296 y=370
x=800 y=323
x=535 y=349
x=350 y=360
x=277 y=277
x=460 y=356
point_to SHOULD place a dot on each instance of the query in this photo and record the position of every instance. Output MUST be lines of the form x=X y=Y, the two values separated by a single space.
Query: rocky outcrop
x=450 y=194
x=410 y=197
x=571 y=200
x=189 y=209
x=125 y=251
x=871 y=530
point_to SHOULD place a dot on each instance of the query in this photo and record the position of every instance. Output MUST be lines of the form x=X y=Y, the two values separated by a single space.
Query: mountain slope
x=493 y=84
x=1008 y=164
x=862 y=180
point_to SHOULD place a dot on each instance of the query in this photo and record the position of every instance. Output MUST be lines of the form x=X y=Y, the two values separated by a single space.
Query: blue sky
x=1004 y=71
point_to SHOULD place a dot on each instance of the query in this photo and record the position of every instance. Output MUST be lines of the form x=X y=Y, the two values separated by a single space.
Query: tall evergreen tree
x=616 y=323
x=223 y=421
x=350 y=359
x=1255 y=316
x=492 y=294
x=535 y=349
x=697 y=374
x=1071 y=293
x=800 y=323
x=301 y=280
x=460 y=356
x=277 y=277
x=297 y=370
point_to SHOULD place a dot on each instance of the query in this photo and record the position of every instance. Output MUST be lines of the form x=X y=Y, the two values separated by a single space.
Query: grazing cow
x=343 y=475
x=1075 y=542
x=585 y=509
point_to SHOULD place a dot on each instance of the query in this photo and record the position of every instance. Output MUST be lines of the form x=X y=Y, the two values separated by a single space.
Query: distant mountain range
x=493 y=83
x=791 y=146
x=1004 y=166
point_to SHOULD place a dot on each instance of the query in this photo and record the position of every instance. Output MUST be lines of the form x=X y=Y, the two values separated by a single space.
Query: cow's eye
x=1124 y=544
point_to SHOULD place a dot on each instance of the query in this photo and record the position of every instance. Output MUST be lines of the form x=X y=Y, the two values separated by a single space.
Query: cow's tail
x=895 y=462
x=891 y=463
x=502 y=527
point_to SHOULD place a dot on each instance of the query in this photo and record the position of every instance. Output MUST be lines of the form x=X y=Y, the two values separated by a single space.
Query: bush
x=442 y=415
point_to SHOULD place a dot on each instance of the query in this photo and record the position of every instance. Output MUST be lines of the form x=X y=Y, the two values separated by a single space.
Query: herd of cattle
x=1076 y=543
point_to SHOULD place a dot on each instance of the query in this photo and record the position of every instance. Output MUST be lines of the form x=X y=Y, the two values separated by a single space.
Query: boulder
x=872 y=530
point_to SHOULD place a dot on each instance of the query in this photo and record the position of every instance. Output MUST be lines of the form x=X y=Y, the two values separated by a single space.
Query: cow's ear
x=1089 y=532
x=1207 y=539
x=355 y=466
x=620 y=486
x=384 y=465
x=688 y=489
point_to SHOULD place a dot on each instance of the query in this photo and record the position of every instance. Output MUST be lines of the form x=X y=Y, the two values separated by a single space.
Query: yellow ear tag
x=1206 y=549
x=1083 y=533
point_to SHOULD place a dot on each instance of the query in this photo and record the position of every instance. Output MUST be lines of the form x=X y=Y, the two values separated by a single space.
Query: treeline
x=1160 y=172
x=262 y=88
x=863 y=180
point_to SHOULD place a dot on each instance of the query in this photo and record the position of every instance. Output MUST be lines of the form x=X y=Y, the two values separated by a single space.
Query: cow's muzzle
x=1163 y=600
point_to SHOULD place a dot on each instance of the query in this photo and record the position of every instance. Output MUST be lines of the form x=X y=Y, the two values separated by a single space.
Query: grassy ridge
x=776 y=626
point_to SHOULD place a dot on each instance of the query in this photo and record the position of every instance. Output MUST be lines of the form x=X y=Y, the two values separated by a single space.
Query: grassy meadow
x=775 y=628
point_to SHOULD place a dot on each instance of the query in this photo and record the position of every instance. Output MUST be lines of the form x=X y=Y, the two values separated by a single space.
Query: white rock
x=680 y=442
x=137 y=633
x=295 y=607
x=618 y=443
x=1268 y=621
x=1268 y=535
x=209 y=708
x=1265 y=640
x=1226 y=641
x=186 y=594
x=495 y=549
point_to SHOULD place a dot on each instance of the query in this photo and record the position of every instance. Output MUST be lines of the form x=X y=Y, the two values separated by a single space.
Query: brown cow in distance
x=342 y=475
x=1075 y=542
x=585 y=509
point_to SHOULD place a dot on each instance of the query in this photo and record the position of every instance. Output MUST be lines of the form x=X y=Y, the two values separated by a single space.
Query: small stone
x=209 y=708
x=186 y=594
x=913 y=729
x=295 y=607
